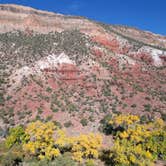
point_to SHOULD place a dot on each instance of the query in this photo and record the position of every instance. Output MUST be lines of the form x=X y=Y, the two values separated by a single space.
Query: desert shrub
x=84 y=122
x=72 y=107
x=39 y=110
x=156 y=140
x=106 y=119
x=138 y=143
x=38 y=117
x=34 y=162
x=8 y=97
x=58 y=124
x=86 y=146
x=105 y=127
x=68 y=124
x=64 y=160
x=90 y=162
x=54 y=109
x=16 y=136
x=40 y=141
x=144 y=119
x=133 y=105
x=91 y=118
x=1 y=132
x=49 y=89
x=48 y=118
x=124 y=153
x=12 y=157
x=3 y=148
x=106 y=92
x=144 y=133
x=121 y=122
x=62 y=141
x=147 y=107
x=2 y=100
x=163 y=116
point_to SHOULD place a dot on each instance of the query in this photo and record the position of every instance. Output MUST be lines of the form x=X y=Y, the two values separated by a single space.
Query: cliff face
x=20 y=18
x=67 y=67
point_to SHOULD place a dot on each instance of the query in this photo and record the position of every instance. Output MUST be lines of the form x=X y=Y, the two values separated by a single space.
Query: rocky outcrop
x=19 y=17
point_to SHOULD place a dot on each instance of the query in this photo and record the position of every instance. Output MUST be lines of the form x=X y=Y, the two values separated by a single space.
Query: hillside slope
x=75 y=71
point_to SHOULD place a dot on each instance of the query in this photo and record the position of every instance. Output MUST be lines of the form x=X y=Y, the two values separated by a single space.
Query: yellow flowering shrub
x=119 y=123
x=137 y=133
x=140 y=132
x=124 y=120
x=156 y=142
x=61 y=139
x=124 y=153
x=16 y=136
x=138 y=144
x=44 y=142
x=40 y=141
x=134 y=143
x=86 y=146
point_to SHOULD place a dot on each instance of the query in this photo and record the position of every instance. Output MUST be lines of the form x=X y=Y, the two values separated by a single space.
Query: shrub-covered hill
x=76 y=73
x=67 y=75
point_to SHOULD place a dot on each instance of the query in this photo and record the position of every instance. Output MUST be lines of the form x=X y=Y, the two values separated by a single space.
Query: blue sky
x=143 y=14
